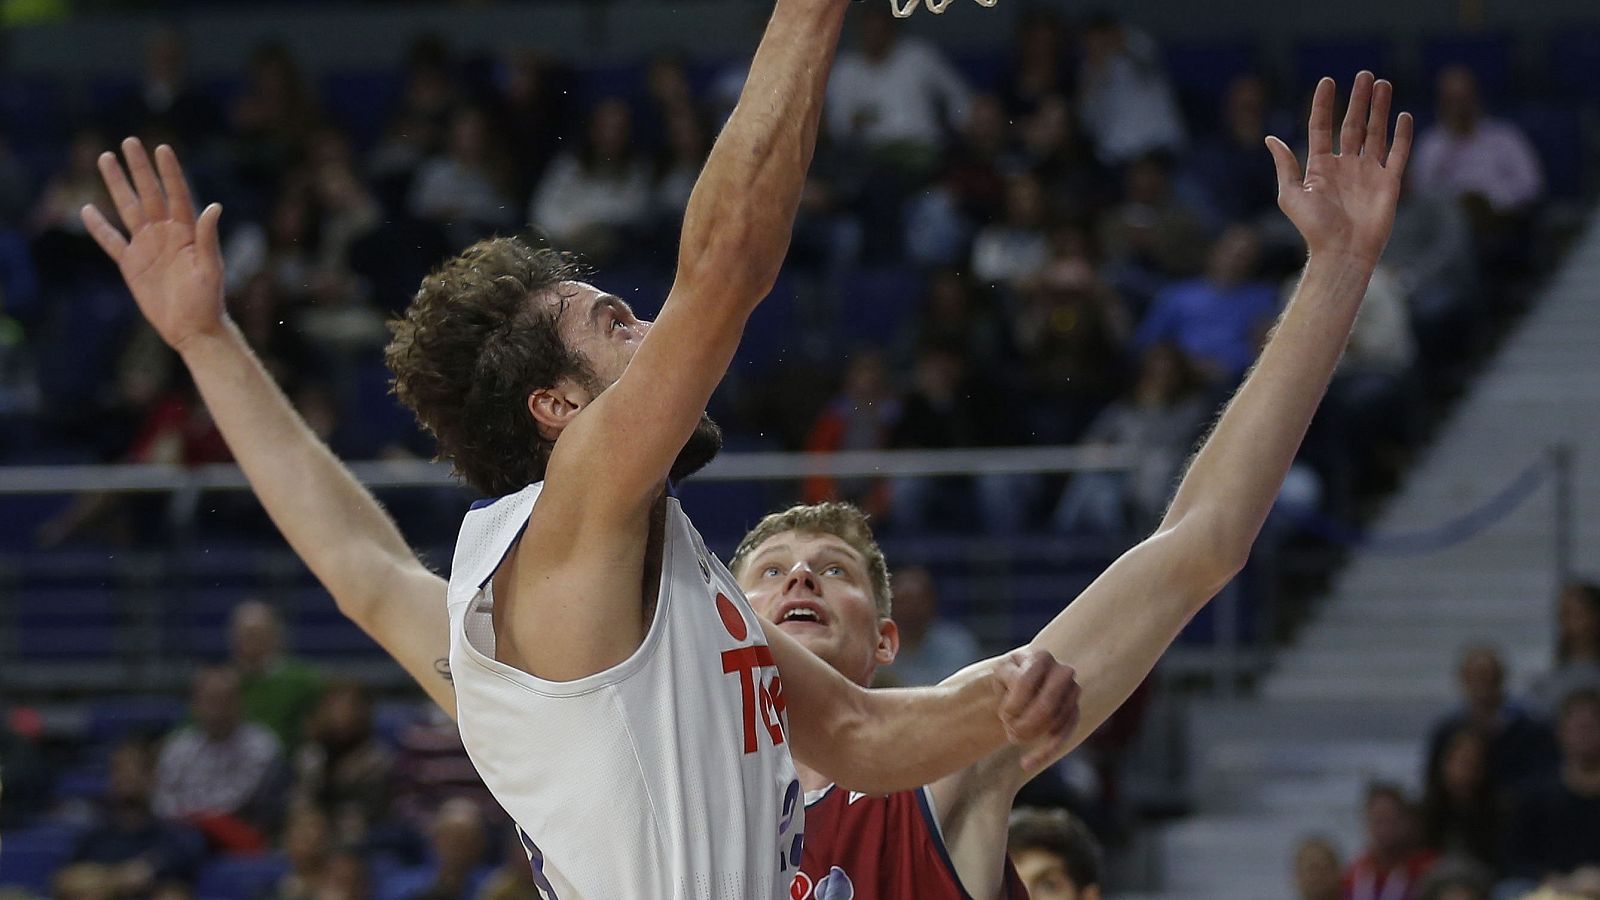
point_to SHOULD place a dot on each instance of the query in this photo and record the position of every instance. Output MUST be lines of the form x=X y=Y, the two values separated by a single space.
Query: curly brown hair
x=470 y=349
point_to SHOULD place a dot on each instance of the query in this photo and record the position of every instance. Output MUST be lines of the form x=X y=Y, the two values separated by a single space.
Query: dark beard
x=701 y=448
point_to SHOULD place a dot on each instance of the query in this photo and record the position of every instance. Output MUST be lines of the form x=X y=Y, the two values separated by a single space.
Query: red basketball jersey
x=880 y=848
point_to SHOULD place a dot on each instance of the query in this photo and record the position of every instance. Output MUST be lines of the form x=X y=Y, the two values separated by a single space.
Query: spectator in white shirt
x=221 y=767
x=931 y=649
x=1125 y=99
x=1470 y=154
x=466 y=189
x=592 y=200
x=895 y=95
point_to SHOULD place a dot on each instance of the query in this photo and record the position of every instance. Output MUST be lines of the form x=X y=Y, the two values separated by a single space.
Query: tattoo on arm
x=442 y=666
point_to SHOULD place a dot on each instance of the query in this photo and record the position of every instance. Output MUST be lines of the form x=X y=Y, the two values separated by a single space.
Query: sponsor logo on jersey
x=835 y=885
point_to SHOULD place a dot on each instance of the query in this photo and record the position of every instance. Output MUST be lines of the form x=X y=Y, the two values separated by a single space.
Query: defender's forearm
x=1234 y=479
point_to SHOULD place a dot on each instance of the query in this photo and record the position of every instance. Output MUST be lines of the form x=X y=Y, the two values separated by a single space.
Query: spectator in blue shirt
x=1218 y=320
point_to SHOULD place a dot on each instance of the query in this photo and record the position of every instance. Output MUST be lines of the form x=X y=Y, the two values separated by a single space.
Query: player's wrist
x=196 y=345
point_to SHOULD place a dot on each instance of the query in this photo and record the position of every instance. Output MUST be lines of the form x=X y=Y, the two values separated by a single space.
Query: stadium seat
x=239 y=877
x=66 y=623
x=1556 y=130
x=361 y=102
x=30 y=856
x=113 y=720
x=1574 y=55
x=873 y=306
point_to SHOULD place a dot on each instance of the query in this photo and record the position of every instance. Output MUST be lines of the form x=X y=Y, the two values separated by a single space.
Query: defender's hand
x=1039 y=703
x=1345 y=203
x=170 y=259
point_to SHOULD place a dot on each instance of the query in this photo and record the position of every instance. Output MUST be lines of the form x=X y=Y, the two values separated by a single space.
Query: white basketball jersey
x=665 y=777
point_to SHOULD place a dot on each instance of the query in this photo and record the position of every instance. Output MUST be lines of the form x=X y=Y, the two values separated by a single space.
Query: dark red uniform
x=880 y=848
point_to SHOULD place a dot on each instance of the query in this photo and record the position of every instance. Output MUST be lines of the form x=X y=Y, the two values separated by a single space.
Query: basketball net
x=904 y=8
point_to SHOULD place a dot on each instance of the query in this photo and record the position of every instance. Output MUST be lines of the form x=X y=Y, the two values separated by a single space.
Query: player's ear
x=553 y=408
x=888 y=642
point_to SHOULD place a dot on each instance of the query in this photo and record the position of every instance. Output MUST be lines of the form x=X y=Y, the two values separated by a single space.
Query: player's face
x=602 y=329
x=1045 y=876
x=817 y=589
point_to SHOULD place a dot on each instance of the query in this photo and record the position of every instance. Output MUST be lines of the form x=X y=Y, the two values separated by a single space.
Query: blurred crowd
x=1510 y=799
x=277 y=783
x=1060 y=227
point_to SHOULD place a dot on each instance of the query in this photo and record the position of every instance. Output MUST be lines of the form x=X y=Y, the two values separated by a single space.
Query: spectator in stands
x=593 y=200
x=347 y=877
x=342 y=768
x=1394 y=863
x=1431 y=246
x=954 y=314
x=862 y=416
x=347 y=210
x=1554 y=828
x=418 y=129
x=1469 y=155
x=138 y=850
x=1577 y=647
x=223 y=774
x=533 y=115
x=431 y=767
x=1462 y=811
x=273 y=118
x=682 y=156
x=1070 y=331
x=1151 y=237
x=1124 y=97
x=895 y=96
x=1039 y=69
x=1217 y=321
x=932 y=648
x=78 y=182
x=467 y=188
x=1520 y=747
x=1159 y=418
x=1055 y=854
x=945 y=409
x=1316 y=870
x=276 y=689
x=1012 y=251
x=307 y=846
x=1055 y=150
x=457 y=869
x=1238 y=181
x=165 y=99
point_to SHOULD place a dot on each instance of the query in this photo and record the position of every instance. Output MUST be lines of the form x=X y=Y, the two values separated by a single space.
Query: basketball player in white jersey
x=1343 y=206
x=613 y=688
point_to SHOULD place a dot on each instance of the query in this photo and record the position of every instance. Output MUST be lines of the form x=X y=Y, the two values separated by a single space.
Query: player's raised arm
x=172 y=264
x=1343 y=205
x=882 y=741
x=736 y=232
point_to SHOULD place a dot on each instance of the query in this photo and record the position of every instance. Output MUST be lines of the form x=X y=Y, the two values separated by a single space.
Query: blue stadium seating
x=1574 y=55
x=30 y=856
x=111 y=721
x=1340 y=58
x=361 y=101
x=1557 y=132
x=66 y=623
x=874 y=305
x=239 y=877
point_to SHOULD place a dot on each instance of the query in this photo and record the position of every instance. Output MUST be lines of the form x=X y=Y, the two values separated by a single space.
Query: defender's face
x=818 y=590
